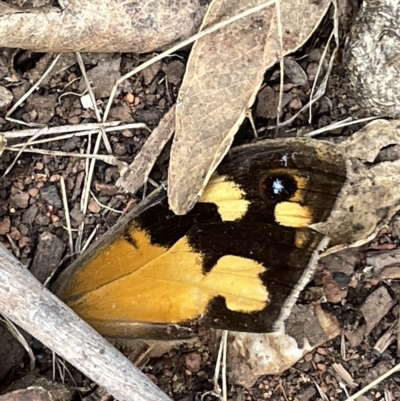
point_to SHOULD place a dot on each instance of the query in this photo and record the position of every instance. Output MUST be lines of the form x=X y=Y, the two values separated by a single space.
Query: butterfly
x=233 y=262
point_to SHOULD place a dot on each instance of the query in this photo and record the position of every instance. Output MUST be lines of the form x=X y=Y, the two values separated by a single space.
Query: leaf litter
x=277 y=57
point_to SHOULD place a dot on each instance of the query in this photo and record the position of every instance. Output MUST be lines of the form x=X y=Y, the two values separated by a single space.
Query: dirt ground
x=32 y=218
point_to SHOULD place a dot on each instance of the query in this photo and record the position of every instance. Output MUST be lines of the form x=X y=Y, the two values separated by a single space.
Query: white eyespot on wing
x=277 y=186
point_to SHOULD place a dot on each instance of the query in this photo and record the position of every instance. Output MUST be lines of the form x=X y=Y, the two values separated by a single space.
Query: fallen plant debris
x=29 y=211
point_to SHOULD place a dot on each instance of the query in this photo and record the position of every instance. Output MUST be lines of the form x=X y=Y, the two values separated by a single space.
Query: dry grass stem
x=67 y=217
x=55 y=139
x=88 y=86
x=335 y=33
x=101 y=135
x=109 y=159
x=281 y=60
x=344 y=389
x=320 y=391
x=249 y=116
x=322 y=89
x=89 y=176
x=217 y=389
x=25 y=145
x=339 y=124
x=104 y=206
x=71 y=94
x=64 y=368
x=224 y=340
x=20 y=122
x=63 y=129
x=374 y=383
x=21 y=339
x=343 y=346
x=90 y=239
x=27 y=94
x=388 y=395
x=78 y=242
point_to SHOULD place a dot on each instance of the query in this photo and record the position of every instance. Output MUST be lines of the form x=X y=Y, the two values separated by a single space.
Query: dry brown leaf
x=100 y=25
x=370 y=196
x=385 y=340
x=344 y=375
x=28 y=394
x=252 y=355
x=374 y=308
x=224 y=72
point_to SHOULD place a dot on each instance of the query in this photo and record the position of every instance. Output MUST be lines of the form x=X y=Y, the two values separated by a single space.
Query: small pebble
x=51 y=196
x=129 y=98
x=23 y=242
x=20 y=199
x=33 y=192
x=192 y=361
x=5 y=226
x=94 y=207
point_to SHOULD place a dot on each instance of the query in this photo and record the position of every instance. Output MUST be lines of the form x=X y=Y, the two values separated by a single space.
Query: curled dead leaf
x=212 y=103
x=252 y=355
x=369 y=198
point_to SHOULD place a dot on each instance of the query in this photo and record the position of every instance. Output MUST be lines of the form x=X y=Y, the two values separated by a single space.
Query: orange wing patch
x=292 y=214
x=154 y=284
x=229 y=198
